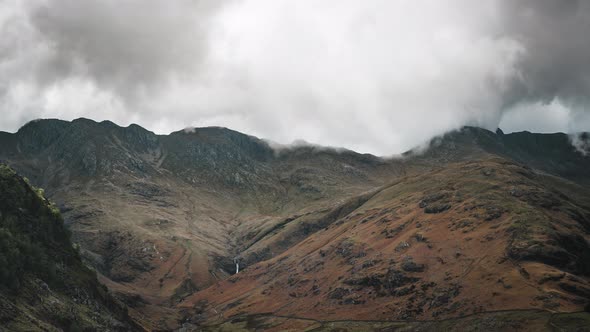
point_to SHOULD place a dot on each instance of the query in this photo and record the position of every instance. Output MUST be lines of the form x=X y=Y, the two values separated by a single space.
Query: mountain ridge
x=280 y=146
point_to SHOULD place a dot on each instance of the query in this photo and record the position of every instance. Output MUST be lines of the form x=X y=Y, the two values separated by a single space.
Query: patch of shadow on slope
x=301 y=229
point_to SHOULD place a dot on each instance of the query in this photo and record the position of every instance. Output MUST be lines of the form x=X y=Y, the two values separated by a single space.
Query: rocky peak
x=222 y=140
x=553 y=153
x=37 y=135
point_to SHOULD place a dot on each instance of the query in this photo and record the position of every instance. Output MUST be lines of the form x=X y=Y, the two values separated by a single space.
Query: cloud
x=373 y=76
x=554 y=67
x=99 y=59
x=581 y=142
x=377 y=76
x=279 y=148
x=554 y=35
x=125 y=46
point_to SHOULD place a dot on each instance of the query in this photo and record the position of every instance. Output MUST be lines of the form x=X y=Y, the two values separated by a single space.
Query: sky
x=376 y=76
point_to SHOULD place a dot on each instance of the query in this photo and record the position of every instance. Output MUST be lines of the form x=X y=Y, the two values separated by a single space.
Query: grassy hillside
x=470 y=237
x=43 y=284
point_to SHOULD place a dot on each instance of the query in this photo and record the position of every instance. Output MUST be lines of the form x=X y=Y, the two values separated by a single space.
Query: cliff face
x=43 y=284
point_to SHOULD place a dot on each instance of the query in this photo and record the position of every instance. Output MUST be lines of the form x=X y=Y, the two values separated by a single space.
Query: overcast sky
x=376 y=76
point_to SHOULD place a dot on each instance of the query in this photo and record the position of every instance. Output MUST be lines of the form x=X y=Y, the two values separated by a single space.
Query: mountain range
x=209 y=228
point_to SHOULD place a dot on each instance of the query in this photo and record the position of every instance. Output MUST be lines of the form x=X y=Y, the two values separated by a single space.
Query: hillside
x=486 y=235
x=43 y=284
x=319 y=234
x=160 y=217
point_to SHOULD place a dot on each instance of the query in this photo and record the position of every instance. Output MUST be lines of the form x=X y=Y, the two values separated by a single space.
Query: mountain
x=476 y=223
x=43 y=284
x=160 y=217
x=551 y=153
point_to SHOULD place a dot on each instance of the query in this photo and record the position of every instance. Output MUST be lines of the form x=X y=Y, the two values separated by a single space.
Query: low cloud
x=581 y=143
x=280 y=148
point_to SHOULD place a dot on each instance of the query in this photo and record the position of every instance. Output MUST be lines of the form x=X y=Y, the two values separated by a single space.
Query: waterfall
x=237 y=262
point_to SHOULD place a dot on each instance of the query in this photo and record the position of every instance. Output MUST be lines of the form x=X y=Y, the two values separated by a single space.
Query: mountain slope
x=160 y=217
x=315 y=232
x=470 y=237
x=43 y=284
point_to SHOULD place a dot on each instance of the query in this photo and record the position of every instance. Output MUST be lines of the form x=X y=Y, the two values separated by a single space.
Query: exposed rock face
x=162 y=217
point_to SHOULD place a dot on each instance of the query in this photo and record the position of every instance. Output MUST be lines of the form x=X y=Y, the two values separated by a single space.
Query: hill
x=43 y=284
x=472 y=237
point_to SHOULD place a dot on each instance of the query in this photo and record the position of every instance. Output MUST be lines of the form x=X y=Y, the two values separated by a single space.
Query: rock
x=402 y=246
x=443 y=296
x=131 y=300
x=569 y=252
x=404 y=291
x=395 y=279
x=338 y=293
x=428 y=199
x=575 y=289
x=420 y=237
x=391 y=233
x=315 y=289
x=389 y=281
x=493 y=212
x=351 y=300
x=437 y=208
x=551 y=277
x=516 y=192
x=368 y=264
x=409 y=265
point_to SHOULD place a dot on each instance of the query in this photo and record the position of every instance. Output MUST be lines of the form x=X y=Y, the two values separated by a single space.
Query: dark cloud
x=554 y=35
x=124 y=45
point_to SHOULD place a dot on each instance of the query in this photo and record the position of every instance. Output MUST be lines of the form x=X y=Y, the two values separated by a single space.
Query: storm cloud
x=374 y=76
x=554 y=69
